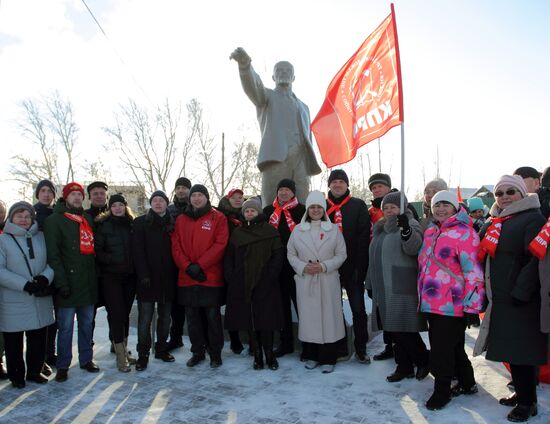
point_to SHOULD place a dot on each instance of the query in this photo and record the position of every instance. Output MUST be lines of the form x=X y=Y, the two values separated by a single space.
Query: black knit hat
x=287 y=183
x=44 y=183
x=97 y=184
x=394 y=198
x=119 y=197
x=159 y=193
x=338 y=174
x=182 y=181
x=199 y=188
x=380 y=179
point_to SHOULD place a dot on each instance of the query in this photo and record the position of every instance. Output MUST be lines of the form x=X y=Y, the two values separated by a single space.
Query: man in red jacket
x=198 y=246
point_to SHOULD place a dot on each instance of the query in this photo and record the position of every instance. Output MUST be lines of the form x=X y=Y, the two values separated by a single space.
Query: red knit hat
x=233 y=191
x=69 y=188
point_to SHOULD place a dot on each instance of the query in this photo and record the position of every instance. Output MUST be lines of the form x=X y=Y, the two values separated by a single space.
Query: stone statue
x=286 y=150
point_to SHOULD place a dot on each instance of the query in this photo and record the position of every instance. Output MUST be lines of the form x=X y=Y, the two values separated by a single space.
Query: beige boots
x=122 y=357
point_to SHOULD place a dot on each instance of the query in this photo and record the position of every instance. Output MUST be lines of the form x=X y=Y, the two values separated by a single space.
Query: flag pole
x=401 y=111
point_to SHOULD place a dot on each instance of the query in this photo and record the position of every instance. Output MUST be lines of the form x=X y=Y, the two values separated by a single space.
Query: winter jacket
x=356 y=227
x=113 y=244
x=72 y=269
x=263 y=311
x=511 y=330
x=450 y=280
x=392 y=276
x=20 y=311
x=42 y=212
x=176 y=208
x=201 y=240
x=152 y=256
x=233 y=215
x=544 y=273
x=94 y=211
x=318 y=296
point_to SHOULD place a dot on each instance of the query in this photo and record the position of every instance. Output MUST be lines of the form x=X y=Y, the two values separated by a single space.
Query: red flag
x=459 y=195
x=364 y=99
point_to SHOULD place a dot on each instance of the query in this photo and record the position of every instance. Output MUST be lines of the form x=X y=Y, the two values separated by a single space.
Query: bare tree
x=48 y=124
x=148 y=156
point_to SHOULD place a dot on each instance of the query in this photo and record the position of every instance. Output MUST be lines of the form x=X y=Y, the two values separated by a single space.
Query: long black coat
x=356 y=230
x=514 y=334
x=296 y=213
x=152 y=252
x=264 y=313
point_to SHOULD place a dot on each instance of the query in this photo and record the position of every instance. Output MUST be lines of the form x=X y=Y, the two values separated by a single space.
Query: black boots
x=387 y=353
x=398 y=375
x=195 y=359
x=142 y=362
x=522 y=413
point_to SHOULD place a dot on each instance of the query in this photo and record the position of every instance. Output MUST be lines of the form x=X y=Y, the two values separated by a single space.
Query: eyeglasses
x=509 y=192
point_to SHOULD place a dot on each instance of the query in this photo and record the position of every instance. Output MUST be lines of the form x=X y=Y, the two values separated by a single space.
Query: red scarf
x=275 y=217
x=86 y=233
x=236 y=222
x=539 y=245
x=490 y=241
x=336 y=209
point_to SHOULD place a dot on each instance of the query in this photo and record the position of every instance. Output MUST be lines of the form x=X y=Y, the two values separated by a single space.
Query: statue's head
x=283 y=73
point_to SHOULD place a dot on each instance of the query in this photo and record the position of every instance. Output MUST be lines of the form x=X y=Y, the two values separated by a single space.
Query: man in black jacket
x=351 y=215
x=175 y=209
x=284 y=214
x=97 y=193
x=156 y=277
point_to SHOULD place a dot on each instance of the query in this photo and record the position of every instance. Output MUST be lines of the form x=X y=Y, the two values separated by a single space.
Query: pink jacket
x=450 y=279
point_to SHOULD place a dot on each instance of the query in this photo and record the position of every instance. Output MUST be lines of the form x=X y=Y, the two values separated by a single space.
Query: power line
x=118 y=54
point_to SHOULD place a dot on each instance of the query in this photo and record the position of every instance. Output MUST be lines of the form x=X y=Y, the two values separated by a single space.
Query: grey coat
x=20 y=311
x=276 y=123
x=392 y=275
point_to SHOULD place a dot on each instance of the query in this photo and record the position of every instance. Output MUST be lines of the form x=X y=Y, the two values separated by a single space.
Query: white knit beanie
x=445 y=196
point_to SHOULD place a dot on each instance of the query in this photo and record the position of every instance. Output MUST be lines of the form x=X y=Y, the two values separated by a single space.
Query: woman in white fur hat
x=316 y=250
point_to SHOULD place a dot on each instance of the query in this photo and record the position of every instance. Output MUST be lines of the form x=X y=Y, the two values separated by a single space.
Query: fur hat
x=515 y=181
x=69 y=188
x=394 y=198
x=445 y=196
x=119 y=197
x=287 y=183
x=437 y=184
x=338 y=174
x=475 y=203
x=44 y=183
x=97 y=184
x=199 y=188
x=252 y=204
x=21 y=206
x=380 y=179
x=159 y=193
x=182 y=181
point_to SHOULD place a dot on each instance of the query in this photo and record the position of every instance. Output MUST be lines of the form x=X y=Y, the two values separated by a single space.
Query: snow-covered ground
x=235 y=393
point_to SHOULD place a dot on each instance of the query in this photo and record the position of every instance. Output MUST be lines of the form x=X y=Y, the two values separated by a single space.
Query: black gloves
x=47 y=291
x=145 y=283
x=42 y=281
x=64 y=292
x=471 y=319
x=403 y=222
x=31 y=287
x=195 y=272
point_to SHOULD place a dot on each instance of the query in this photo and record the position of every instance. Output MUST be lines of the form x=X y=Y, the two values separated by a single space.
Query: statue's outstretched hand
x=240 y=56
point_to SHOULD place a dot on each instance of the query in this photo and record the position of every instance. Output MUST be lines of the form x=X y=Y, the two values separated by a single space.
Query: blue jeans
x=65 y=324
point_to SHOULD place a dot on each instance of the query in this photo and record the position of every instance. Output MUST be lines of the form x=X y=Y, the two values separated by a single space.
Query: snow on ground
x=235 y=393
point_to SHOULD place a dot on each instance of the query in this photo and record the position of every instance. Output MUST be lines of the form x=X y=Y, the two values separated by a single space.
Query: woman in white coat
x=26 y=305
x=316 y=250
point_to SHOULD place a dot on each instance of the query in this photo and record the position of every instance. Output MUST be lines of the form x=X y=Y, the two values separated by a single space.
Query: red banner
x=364 y=99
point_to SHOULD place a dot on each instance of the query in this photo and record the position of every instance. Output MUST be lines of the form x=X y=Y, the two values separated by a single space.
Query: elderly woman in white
x=316 y=250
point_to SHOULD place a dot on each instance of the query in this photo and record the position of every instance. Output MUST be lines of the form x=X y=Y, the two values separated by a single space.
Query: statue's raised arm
x=285 y=150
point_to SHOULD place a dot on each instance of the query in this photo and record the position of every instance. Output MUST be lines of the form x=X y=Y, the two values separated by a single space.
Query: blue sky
x=475 y=73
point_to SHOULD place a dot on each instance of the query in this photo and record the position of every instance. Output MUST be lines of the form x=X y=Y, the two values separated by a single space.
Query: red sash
x=336 y=209
x=275 y=217
x=539 y=245
x=86 y=234
x=490 y=241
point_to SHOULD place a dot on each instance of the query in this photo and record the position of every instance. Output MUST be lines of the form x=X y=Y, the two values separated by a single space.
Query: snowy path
x=234 y=393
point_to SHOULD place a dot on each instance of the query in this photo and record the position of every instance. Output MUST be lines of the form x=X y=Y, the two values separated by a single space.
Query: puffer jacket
x=450 y=279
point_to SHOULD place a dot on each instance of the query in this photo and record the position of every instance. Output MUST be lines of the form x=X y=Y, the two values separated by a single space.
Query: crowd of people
x=435 y=271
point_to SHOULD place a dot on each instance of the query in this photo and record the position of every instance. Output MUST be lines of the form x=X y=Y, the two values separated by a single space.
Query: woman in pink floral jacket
x=451 y=290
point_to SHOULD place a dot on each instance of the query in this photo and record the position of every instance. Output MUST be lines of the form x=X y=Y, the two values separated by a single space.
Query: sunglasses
x=509 y=192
